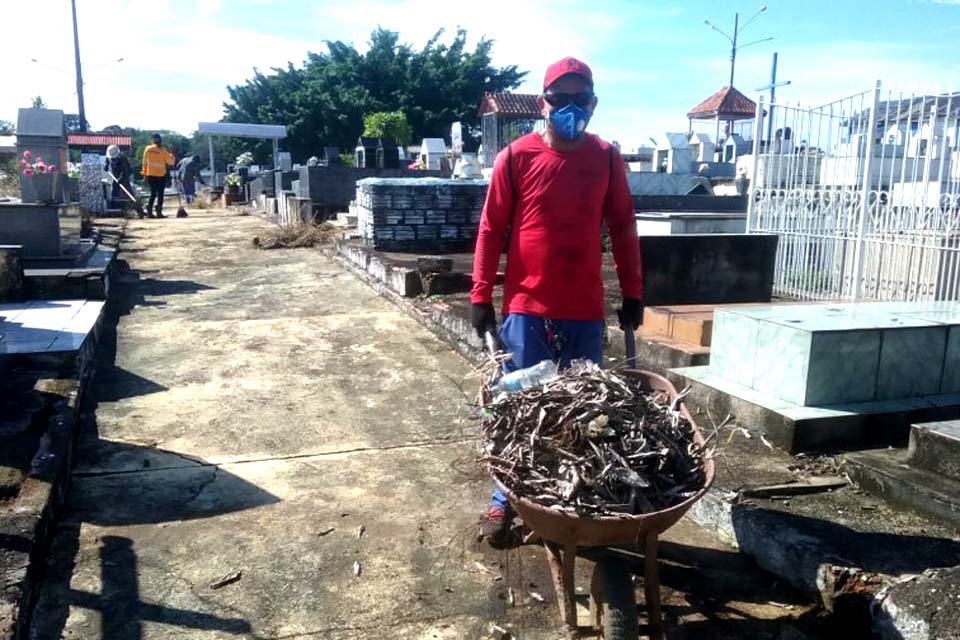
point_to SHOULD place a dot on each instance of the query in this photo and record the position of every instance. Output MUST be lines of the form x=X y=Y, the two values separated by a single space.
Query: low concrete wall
x=332 y=188
x=664 y=223
x=712 y=204
x=708 y=268
x=43 y=231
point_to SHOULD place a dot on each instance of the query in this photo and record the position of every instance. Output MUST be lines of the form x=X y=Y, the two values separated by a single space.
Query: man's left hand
x=631 y=314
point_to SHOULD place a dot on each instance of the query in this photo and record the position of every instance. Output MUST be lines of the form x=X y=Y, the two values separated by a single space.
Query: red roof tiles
x=97 y=140
x=511 y=105
x=727 y=104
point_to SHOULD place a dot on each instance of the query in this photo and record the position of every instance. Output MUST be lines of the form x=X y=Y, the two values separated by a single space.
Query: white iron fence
x=864 y=193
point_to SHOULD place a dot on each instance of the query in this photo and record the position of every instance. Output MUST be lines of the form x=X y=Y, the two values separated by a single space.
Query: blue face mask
x=569 y=122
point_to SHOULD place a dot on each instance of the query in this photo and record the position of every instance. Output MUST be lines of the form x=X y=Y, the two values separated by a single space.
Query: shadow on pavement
x=124 y=485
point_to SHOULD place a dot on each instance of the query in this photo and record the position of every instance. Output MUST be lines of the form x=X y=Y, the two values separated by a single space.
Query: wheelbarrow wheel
x=614 y=603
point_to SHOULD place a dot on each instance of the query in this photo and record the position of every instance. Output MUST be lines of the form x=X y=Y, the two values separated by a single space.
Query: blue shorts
x=531 y=340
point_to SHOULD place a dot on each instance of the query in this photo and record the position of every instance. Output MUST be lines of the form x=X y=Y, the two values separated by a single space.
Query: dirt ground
x=252 y=412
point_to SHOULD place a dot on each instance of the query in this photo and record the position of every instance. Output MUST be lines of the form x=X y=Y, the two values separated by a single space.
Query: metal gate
x=864 y=193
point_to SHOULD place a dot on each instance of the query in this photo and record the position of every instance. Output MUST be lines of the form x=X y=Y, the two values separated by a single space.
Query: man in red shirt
x=549 y=195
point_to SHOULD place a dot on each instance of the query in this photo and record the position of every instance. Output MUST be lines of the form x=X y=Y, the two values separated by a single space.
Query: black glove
x=631 y=314
x=483 y=318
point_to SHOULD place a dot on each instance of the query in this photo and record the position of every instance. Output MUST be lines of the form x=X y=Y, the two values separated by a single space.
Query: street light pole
x=733 y=49
x=76 y=52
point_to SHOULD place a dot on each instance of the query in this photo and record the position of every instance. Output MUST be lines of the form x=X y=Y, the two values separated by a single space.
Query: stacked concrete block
x=424 y=215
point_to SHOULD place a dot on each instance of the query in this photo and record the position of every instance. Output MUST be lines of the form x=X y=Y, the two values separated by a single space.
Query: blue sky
x=652 y=60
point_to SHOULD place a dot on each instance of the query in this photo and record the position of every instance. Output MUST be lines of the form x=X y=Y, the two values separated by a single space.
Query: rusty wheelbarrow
x=563 y=535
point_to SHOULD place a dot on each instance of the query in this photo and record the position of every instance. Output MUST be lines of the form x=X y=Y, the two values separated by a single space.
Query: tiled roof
x=728 y=103
x=513 y=105
x=97 y=140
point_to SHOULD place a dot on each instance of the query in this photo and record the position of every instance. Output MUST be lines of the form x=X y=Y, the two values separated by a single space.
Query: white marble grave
x=825 y=354
x=47 y=326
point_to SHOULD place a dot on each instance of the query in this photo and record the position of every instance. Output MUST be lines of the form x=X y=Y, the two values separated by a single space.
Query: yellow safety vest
x=155 y=161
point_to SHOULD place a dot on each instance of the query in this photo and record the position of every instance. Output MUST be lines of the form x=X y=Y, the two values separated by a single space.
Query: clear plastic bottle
x=525 y=378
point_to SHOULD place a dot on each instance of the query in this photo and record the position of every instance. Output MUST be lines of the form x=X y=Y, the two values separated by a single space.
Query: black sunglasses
x=581 y=98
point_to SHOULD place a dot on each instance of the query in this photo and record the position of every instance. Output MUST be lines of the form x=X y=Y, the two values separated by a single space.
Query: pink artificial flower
x=39 y=166
x=28 y=171
x=51 y=168
x=39 y=160
x=26 y=154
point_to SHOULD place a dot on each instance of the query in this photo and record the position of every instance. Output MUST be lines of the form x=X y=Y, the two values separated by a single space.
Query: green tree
x=7 y=128
x=324 y=101
x=38 y=103
x=72 y=122
x=388 y=124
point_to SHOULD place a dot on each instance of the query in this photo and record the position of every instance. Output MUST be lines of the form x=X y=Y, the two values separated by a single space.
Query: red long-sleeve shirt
x=555 y=206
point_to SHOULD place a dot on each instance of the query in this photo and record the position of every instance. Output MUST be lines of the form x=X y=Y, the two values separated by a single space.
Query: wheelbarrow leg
x=562 y=563
x=651 y=587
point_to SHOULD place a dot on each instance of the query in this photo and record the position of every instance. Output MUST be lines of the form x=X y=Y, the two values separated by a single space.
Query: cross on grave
x=773 y=95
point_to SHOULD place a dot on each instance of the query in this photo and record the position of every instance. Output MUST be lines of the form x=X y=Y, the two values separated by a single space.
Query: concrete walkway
x=255 y=410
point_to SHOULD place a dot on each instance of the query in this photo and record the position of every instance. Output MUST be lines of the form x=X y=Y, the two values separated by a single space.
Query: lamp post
x=737 y=30
x=76 y=52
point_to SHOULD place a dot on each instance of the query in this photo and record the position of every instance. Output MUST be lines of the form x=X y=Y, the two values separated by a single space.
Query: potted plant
x=232 y=184
x=39 y=181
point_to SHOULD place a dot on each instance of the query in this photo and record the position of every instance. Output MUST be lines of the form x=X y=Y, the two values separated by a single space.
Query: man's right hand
x=483 y=318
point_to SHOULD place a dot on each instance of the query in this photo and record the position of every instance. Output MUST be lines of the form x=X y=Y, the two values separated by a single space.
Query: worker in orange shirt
x=157 y=161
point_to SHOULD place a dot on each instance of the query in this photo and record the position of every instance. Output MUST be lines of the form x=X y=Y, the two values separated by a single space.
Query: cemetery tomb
x=830 y=354
x=428 y=215
x=41 y=326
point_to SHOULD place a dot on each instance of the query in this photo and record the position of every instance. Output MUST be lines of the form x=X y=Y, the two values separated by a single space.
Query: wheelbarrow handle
x=492 y=342
x=629 y=341
x=630 y=345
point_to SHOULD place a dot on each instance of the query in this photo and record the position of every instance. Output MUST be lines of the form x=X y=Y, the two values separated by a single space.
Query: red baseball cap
x=565 y=66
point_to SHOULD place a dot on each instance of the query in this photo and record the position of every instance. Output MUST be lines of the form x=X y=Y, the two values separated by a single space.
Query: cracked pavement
x=248 y=402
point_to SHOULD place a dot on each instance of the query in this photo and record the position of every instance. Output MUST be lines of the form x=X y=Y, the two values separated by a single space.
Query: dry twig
x=593 y=442
x=297 y=237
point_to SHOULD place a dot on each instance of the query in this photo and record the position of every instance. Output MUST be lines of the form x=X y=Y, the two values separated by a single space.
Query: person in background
x=189 y=172
x=549 y=195
x=154 y=168
x=119 y=167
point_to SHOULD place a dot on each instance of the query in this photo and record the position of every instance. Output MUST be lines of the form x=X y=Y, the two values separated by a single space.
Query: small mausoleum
x=673 y=154
x=701 y=147
x=433 y=153
x=366 y=152
x=505 y=117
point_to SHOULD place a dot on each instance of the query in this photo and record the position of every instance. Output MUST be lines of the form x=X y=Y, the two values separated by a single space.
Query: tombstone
x=331 y=155
x=783 y=140
x=432 y=152
x=366 y=153
x=673 y=154
x=388 y=154
x=702 y=148
x=43 y=134
x=91 y=191
x=734 y=147
x=285 y=161
x=456 y=137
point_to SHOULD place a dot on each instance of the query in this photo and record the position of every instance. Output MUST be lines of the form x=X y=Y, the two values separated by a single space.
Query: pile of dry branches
x=593 y=442
x=302 y=236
